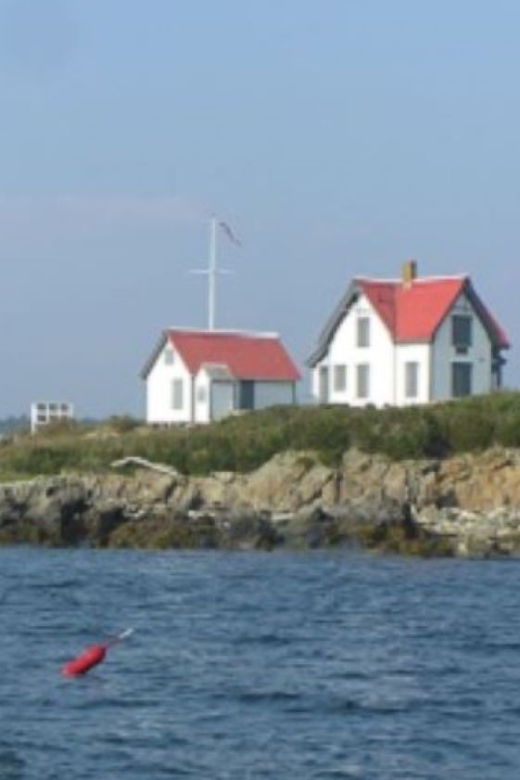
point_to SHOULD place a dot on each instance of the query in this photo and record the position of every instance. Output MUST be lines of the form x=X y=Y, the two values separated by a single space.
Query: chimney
x=409 y=272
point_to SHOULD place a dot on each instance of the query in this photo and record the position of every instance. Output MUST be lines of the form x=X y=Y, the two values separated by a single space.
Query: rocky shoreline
x=463 y=506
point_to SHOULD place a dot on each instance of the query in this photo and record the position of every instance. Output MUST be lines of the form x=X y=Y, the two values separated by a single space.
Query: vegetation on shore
x=244 y=442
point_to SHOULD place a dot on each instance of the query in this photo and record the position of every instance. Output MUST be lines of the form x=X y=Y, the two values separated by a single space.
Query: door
x=247 y=395
x=461 y=379
x=222 y=399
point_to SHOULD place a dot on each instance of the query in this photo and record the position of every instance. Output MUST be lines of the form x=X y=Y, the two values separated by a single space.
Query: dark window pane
x=461 y=330
x=461 y=379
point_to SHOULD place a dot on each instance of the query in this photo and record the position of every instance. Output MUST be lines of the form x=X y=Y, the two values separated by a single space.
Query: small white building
x=47 y=412
x=407 y=341
x=197 y=376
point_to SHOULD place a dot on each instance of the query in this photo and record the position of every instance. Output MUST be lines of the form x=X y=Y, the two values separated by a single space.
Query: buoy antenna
x=124 y=634
x=119 y=637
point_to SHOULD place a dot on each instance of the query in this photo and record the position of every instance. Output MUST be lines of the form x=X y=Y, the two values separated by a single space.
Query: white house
x=407 y=341
x=196 y=376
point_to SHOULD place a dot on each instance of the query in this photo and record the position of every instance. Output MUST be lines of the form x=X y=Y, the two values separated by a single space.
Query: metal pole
x=212 y=273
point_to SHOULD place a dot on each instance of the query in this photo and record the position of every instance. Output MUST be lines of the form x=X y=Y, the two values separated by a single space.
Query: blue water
x=246 y=666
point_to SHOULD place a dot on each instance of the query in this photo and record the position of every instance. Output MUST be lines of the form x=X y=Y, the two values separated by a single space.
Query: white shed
x=196 y=376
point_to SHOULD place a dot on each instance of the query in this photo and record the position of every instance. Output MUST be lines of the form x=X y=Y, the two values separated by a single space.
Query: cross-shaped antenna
x=212 y=271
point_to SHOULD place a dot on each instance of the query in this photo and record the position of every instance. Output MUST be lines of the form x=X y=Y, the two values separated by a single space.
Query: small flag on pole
x=229 y=233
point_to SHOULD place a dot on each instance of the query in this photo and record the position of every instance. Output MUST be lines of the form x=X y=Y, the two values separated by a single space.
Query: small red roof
x=414 y=311
x=246 y=355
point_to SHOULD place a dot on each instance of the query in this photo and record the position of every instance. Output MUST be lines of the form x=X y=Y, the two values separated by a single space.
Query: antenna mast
x=212 y=272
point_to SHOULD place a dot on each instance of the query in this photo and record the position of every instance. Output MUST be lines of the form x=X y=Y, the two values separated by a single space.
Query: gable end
x=155 y=354
x=333 y=323
x=496 y=335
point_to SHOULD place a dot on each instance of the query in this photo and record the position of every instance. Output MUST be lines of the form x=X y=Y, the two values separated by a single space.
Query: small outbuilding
x=197 y=376
x=44 y=413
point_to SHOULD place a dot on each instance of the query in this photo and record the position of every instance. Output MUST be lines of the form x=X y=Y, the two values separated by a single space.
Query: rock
x=468 y=505
x=251 y=531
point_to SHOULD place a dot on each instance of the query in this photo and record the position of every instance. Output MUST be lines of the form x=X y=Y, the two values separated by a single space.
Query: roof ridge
x=417 y=280
x=223 y=332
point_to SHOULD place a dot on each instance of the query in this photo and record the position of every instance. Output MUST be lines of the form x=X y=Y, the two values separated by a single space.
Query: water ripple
x=250 y=666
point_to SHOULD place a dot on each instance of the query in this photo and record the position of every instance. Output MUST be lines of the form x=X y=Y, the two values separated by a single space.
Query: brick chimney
x=408 y=272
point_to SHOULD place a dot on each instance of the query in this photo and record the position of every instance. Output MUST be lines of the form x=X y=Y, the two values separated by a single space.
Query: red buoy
x=92 y=656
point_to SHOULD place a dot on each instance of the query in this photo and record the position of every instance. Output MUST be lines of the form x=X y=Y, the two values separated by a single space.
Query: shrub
x=123 y=423
x=56 y=428
x=40 y=460
x=245 y=442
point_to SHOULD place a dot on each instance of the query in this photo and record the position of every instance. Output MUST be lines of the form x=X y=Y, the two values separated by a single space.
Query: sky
x=337 y=138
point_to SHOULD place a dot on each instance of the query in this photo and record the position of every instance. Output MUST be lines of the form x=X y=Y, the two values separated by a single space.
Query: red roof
x=414 y=311
x=247 y=355
x=411 y=310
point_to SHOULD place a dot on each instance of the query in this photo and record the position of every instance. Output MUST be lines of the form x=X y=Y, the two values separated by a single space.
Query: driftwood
x=133 y=460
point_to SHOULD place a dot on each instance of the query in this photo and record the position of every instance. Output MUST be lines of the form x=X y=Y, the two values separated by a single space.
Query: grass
x=245 y=442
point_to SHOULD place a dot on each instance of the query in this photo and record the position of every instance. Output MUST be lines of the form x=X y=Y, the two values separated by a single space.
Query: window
x=411 y=380
x=201 y=395
x=177 y=394
x=323 y=384
x=363 y=332
x=363 y=380
x=168 y=357
x=246 y=395
x=461 y=331
x=461 y=379
x=340 y=379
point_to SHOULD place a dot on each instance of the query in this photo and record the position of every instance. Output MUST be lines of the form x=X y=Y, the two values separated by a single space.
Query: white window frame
x=363 y=331
x=363 y=381
x=177 y=398
x=339 y=378
x=411 y=379
x=323 y=384
x=169 y=357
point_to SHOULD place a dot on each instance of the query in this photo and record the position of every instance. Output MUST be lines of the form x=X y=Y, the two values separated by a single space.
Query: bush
x=245 y=442
x=123 y=423
x=56 y=428
x=39 y=460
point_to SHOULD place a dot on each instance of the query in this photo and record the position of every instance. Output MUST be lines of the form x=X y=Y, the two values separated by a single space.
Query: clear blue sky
x=337 y=137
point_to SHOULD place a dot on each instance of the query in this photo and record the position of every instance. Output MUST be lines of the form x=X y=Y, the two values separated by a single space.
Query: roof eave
x=496 y=334
x=409 y=341
x=268 y=378
x=332 y=324
x=154 y=355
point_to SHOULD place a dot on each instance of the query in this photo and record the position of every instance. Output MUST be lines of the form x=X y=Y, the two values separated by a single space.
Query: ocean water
x=245 y=666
